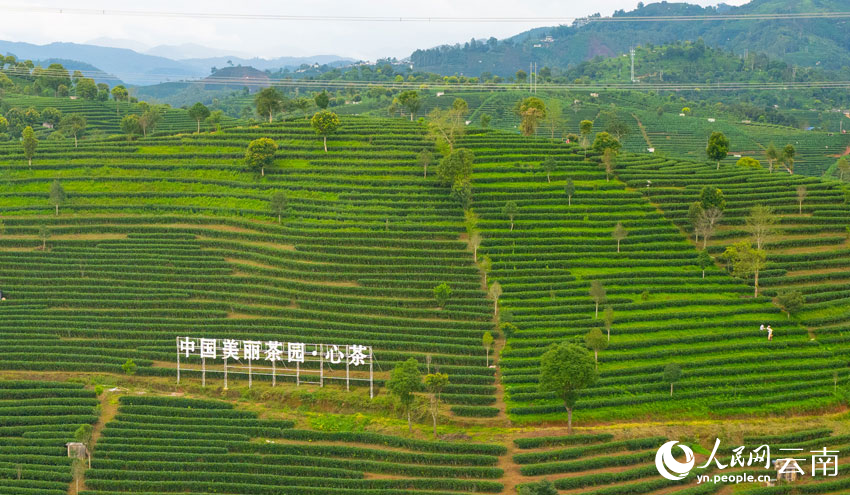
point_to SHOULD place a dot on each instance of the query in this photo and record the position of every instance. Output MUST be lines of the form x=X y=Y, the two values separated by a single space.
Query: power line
x=425 y=19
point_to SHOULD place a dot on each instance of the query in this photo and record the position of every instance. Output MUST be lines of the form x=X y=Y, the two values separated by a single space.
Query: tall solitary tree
x=771 y=154
x=531 y=111
x=30 y=143
x=790 y=301
x=718 y=147
x=585 y=128
x=549 y=166
x=704 y=260
x=510 y=210
x=44 y=235
x=745 y=261
x=619 y=234
x=595 y=340
x=322 y=100
x=442 y=293
x=425 y=158
x=487 y=343
x=149 y=120
x=410 y=101
x=434 y=385
x=405 y=380
x=278 y=204
x=199 y=112
x=761 y=224
x=801 y=195
x=57 y=195
x=268 y=101
x=495 y=293
x=843 y=167
x=119 y=93
x=597 y=293
x=788 y=154
x=566 y=369
x=455 y=167
x=74 y=124
x=260 y=154
x=608 y=158
x=569 y=190
x=325 y=123
x=672 y=373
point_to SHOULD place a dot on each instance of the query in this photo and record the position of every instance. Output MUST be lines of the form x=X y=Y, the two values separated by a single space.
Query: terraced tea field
x=664 y=311
x=173 y=236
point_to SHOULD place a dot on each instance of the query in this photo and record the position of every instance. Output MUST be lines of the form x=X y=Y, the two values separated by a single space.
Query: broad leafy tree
x=322 y=100
x=131 y=126
x=771 y=154
x=619 y=234
x=790 y=300
x=73 y=124
x=325 y=123
x=597 y=293
x=199 y=112
x=549 y=166
x=605 y=141
x=278 y=203
x=718 y=147
x=510 y=210
x=457 y=166
x=434 y=385
x=585 y=129
x=260 y=154
x=531 y=112
x=425 y=158
x=672 y=373
x=761 y=224
x=566 y=369
x=405 y=380
x=596 y=341
x=410 y=101
x=704 y=260
x=30 y=143
x=442 y=293
x=119 y=93
x=788 y=154
x=569 y=190
x=148 y=121
x=268 y=101
x=57 y=195
x=744 y=260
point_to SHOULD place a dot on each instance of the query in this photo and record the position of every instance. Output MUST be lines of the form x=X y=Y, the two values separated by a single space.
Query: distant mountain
x=142 y=69
x=191 y=50
x=804 y=42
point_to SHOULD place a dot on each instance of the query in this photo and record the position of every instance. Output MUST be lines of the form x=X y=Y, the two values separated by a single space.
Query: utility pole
x=632 y=53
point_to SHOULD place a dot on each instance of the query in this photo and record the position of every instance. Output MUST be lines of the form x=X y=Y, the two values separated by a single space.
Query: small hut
x=78 y=450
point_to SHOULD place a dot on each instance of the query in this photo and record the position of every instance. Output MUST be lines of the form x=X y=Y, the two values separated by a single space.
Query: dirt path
x=108 y=410
x=643 y=131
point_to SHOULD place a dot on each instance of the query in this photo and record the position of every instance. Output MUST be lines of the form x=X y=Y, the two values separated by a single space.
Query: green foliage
x=410 y=101
x=29 y=143
x=748 y=162
x=325 y=123
x=442 y=293
x=260 y=154
x=484 y=120
x=73 y=124
x=322 y=99
x=456 y=167
x=57 y=195
x=131 y=126
x=790 y=300
x=278 y=203
x=718 y=147
x=199 y=112
x=566 y=369
x=596 y=341
x=510 y=211
x=531 y=111
x=462 y=193
x=405 y=380
x=712 y=197
x=744 y=260
x=542 y=487
x=549 y=165
x=605 y=141
x=129 y=367
x=268 y=102
x=83 y=434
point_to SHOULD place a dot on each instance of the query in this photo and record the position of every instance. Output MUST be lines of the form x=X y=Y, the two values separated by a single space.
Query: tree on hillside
x=57 y=195
x=748 y=162
x=51 y=115
x=718 y=147
x=442 y=293
x=772 y=156
x=569 y=190
x=790 y=301
x=484 y=120
x=585 y=128
x=148 y=121
x=510 y=210
x=672 y=373
x=410 y=101
x=119 y=93
x=595 y=341
x=44 y=235
x=605 y=141
x=86 y=89
x=73 y=124
x=268 y=101
x=405 y=380
x=434 y=385
x=843 y=167
x=495 y=293
x=131 y=126
x=462 y=193
x=553 y=116
x=199 y=112
x=485 y=264
x=475 y=242
x=761 y=224
x=487 y=342
x=445 y=127
x=712 y=197
x=549 y=165
x=4 y=126
x=619 y=233
x=302 y=104
x=745 y=261
x=608 y=319
x=530 y=111
x=597 y=293
x=215 y=118
x=260 y=154
x=695 y=214
x=801 y=195
x=566 y=369
x=788 y=154
x=322 y=100
x=704 y=260
x=459 y=111
x=325 y=123
x=425 y=158
x=456 y=167
x=608 y=158
x=30 y=143
x=278 y=203
x=521 y=76
x=707 y=224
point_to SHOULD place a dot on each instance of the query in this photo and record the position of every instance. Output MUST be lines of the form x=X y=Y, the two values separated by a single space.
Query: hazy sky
x=363 y=40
